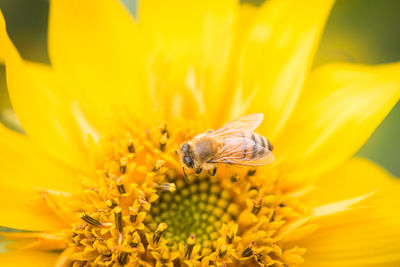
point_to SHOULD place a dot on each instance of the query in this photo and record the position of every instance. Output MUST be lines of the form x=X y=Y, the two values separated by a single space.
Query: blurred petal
x=33 y=258
x=365 y=236
x=24 y=171
x=25 y=166
x=93 y=47
x=276 y=57
x=10 y=119
x=188 y=47
x=339 y=109
x=22 y=209
x=49 y=241
x=42 y=106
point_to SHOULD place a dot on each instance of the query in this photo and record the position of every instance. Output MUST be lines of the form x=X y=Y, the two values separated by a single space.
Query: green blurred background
x=359 y=31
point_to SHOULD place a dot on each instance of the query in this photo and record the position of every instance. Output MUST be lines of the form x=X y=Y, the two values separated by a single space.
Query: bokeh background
x=358 y=31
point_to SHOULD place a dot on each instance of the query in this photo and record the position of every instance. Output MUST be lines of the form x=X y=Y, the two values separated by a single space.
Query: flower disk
x=142 y=210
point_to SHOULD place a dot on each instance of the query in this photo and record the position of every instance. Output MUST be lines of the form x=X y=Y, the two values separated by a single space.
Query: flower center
x=197 y=207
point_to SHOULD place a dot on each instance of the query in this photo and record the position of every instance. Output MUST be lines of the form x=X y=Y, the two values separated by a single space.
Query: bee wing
x=242 y=150
x=246 y=124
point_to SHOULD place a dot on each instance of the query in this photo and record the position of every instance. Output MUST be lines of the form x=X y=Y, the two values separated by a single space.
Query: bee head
x=186 y=155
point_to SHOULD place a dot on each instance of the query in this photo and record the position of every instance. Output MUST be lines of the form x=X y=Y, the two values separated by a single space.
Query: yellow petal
x=93 y=46
x=32 y=258
x=24 y=172
x=42 y=106
x=21 y=210
x=276 y=58
x=23 y=165
x=335 y=207
x=365 y=236
x=339 y=109
x=188 y=44
x=34 y=240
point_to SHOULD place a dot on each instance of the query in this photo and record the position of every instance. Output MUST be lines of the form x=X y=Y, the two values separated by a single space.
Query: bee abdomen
x=259 y=141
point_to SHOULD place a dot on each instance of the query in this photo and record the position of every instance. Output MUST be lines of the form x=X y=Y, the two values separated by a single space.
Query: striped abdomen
x=259 y=146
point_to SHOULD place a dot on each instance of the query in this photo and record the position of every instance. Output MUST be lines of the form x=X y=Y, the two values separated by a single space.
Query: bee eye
x=185 y=147
x=188 y=161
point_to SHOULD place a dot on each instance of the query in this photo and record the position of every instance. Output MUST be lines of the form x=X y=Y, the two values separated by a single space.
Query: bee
x=234 y=143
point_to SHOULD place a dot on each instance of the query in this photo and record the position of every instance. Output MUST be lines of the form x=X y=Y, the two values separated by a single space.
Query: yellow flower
x=95 y=180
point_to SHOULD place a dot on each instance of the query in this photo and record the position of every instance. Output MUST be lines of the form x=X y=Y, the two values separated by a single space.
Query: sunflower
x=95 y=180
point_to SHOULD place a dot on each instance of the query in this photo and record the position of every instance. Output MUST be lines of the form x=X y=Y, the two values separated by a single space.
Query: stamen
x=171 y=187
x=131 y=148
x=235 y=178
x=118 y=219
x=133 y=218
x=163 y=142
x=248 y=251
x=189 y=246
x=123 y=257
x=135 y=240
x=251 y=172
x=134 y=212
x=163 y=128
x=159 y=164
x=120 y=186
x=121 y=189
x=111 y=203
x=229 y=236
x=222 y=251
x=90 y=220
x=122 y=167
x=257 y=206
x=160 y=230
x=259 y=258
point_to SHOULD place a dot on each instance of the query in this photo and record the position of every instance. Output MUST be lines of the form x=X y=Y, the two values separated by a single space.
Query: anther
x=134 y=210
x=159 y=164
x=111 y=203
x=248 y=251
x=229 y=237
x=259 y=258
x=257 y=206
x=171 y=187
x=189 y=246
x=135 y=240
x=222 y=251
x=75 y=238
x=118 y=219
x=121 y=189
x=123 y=257
x=120 y=186
x=159 y=231
x=251 y=172
x=163 y=142
x=234 y=178
x=163 y=128
x=90 y=220
x=131 y=148
x=122 y=165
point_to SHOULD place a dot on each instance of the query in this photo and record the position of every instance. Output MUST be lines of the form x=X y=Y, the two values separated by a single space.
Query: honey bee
x=234 y=143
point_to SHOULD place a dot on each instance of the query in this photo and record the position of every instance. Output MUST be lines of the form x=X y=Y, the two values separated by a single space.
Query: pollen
x=140 y=210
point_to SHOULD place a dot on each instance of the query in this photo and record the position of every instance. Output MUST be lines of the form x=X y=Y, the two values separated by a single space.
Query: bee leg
x=198 y=171
x=183 y=169
x=213 y=172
